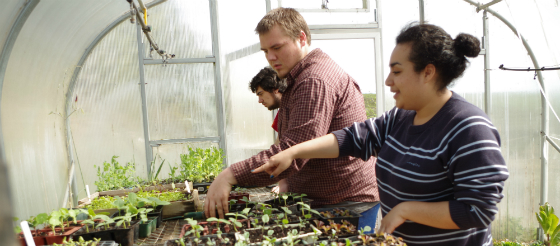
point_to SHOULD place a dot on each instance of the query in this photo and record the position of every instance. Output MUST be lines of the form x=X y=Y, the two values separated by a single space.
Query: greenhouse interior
x=117 y=116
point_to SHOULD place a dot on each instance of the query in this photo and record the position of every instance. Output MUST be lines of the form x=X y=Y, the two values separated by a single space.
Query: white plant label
x=87 y=191
x=27 y=233
x=187 y=185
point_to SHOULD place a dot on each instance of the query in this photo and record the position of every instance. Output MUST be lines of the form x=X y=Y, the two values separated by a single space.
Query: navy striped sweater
x=454 y=157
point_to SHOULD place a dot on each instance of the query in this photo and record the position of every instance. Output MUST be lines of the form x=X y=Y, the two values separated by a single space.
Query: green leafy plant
x=231 y=203
x=201 y=164
x=113 y=176
x=80 y=242
x=549 y=223
x=195 y=229
x=153 y=175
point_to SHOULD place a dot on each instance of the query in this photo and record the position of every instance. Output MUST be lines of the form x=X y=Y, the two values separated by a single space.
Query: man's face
x=269 y=100
x=281 y=51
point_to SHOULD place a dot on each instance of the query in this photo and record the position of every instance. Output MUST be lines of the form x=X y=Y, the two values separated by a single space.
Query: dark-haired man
x=320 y=98
x=269 y=88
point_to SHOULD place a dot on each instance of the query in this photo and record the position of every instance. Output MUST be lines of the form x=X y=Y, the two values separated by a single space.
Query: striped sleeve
x=365 y=139
x=477 y=170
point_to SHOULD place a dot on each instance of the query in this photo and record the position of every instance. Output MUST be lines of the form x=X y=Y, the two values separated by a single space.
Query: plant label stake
x=187 y=186
x=88 y=194
x=27 y=233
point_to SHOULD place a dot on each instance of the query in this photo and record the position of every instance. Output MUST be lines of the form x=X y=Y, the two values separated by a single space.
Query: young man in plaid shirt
x=320 y=98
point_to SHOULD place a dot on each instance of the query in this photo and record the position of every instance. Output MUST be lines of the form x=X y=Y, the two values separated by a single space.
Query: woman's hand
x=277 y=163
x=392 y=220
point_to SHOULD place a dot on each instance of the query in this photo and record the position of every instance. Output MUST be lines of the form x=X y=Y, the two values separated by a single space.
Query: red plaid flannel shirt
x=320 y=98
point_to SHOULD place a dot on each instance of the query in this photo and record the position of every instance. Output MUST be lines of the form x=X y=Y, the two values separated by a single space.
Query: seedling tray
x=353 y=219
x=100 y=243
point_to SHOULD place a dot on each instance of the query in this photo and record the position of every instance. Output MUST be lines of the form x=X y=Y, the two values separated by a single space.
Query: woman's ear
x=429 y=73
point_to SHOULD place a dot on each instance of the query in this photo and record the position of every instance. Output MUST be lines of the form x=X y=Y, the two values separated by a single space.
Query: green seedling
x=234 y=221
x=195 y=229
x=285 y=197
x=247 y=201
x=105 y=223
x=180 y=241
x=364 y=230
x=144 y=213
x=269 y=239
x=231 y=202
x=212 y=219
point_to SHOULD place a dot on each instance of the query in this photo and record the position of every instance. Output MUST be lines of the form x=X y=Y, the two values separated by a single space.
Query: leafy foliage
x=201 y=164
x=371 y=105
x=113 y=176
x=549 y=223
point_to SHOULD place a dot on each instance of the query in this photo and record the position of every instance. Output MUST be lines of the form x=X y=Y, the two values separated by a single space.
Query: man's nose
x=271 y=56
x=261 y=100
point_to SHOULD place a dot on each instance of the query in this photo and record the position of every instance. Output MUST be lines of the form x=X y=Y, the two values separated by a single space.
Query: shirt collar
x=302 y=65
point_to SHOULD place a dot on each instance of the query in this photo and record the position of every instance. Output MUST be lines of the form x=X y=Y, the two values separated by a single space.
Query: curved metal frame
x=72 y=86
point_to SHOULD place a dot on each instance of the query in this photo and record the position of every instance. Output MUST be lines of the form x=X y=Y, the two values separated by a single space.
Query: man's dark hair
x=268 y=79
x=432 y=45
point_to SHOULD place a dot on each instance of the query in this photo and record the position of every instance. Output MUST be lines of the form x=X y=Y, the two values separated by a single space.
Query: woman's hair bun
x=466 y=45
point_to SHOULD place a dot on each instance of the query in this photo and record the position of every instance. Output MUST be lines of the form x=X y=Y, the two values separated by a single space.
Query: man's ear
x=302 y=38
x=276 y=91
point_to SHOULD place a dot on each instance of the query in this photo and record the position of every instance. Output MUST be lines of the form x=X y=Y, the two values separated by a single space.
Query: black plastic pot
x=124 y=237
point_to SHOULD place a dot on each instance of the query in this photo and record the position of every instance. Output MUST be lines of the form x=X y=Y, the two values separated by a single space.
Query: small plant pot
x=154 y=221
x=157 y=213
x=145 y=229
x=37 y=239
x=52 y=238
x=124 y=237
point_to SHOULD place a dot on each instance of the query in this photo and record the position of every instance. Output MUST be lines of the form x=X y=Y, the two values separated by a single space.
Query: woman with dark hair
x=439 y=167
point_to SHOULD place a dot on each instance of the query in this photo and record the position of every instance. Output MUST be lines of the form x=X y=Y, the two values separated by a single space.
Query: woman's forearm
x=434 y=214
x=322 y=147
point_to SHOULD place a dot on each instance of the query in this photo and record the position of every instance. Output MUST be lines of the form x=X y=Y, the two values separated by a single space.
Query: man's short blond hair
x=289 y=19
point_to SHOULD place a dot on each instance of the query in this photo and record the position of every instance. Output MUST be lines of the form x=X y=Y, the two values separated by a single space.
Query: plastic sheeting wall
x=248 y=123
x=516 y=104
x=35 y=83
x=181 y=100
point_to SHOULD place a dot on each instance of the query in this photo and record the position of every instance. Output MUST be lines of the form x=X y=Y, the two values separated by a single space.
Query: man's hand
x=218 y=194
x=277 y=164
x=281 y=187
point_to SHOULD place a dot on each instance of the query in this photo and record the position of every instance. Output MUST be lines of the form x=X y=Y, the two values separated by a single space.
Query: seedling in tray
x=234 y=221
x=218 y=221
x=195 y=229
